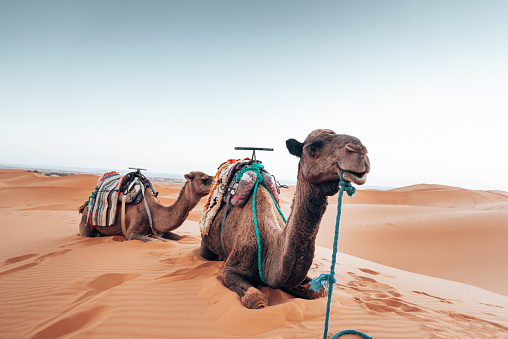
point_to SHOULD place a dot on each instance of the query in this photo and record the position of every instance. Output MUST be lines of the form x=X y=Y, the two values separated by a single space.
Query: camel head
x=199 y=183
x=324 y=153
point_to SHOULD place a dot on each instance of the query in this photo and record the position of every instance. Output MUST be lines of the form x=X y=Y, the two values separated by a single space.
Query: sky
x=174 y=86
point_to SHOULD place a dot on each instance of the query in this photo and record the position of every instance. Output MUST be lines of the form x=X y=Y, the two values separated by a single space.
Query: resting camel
x=165 y=218
x=287 y=249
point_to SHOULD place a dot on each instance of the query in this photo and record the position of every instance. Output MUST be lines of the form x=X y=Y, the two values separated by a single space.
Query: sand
x=424 y=261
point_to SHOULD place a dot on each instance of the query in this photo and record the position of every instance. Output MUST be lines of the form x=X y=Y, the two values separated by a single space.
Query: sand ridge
x=57 y=284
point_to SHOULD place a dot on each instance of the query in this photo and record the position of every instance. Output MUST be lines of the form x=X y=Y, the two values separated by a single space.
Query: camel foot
x=254 y=299
x=305 y=292
x=137 y=236
x=170 y=236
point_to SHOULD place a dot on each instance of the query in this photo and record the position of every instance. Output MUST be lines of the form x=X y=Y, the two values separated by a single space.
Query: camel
x=165 y=218
x=287 y=249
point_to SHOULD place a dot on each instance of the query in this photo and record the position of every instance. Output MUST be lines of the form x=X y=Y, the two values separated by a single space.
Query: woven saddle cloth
x=103 y=203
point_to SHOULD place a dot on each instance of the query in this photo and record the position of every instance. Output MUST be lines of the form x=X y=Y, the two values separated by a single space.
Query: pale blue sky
x=173 y=86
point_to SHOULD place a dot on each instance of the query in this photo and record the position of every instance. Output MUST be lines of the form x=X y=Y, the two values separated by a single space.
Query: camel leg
x=171 y=236
x=84 y=229
x=304 y=291
x=136 y=225
x=139 y=236
x=250 y=296
x=207 y=254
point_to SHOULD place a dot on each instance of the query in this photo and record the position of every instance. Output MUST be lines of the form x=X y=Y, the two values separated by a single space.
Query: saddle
x=241 y=188
x=111 y=188
x=233 y=185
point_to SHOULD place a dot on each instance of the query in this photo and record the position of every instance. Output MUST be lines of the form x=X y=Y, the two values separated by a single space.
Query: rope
x=275 y=202
x=344 y=332
x=256 y=226
x=328 y=280
x=257 y=168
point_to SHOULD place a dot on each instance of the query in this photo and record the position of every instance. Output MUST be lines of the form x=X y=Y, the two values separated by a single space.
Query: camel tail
x=83 y=207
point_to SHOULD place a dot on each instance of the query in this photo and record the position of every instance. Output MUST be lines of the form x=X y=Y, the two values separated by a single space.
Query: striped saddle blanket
x=240 y=189
x=103 y=203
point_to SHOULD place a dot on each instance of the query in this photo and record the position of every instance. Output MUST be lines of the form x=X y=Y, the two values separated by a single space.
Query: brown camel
x=165 y=218
x=287 y=249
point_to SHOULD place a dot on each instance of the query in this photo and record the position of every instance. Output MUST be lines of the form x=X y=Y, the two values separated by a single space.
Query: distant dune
x=424 y=261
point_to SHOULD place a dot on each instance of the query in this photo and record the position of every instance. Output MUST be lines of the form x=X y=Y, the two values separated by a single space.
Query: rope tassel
x=324 y=280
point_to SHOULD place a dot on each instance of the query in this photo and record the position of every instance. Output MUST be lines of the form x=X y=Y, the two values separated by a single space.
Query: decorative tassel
x=323 y=280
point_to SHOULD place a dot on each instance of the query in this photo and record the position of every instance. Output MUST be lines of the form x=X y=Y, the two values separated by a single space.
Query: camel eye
x=315 y=146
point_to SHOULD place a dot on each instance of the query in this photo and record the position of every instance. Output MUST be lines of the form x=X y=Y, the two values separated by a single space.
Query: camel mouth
x=355 y=177
x=204 y=193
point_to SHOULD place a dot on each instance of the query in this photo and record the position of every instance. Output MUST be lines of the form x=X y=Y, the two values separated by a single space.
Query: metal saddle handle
x=253 y=149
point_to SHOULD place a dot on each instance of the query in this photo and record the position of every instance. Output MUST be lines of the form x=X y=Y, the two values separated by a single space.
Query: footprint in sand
x=19 y=258
x=102 y=283
x=379 y=297
x=81 y=315
x=383 y=298
x=74 y=323
x=366 y=270
x=85 y=242
x=36 y=261
x=431 y=296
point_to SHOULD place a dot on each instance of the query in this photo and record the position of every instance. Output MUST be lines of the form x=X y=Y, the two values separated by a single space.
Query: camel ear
x=294 y=147
x=189 y=176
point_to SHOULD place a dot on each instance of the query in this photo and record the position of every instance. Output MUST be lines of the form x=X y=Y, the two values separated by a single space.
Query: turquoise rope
x=257 y=229
x=328 y=280
x=344 y=332
x=256 y=168
x=275 y=202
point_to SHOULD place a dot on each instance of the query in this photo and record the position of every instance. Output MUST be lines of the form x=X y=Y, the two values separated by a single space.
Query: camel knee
x=84 y=229
x=250 y=296
x=254 y=299
x=207 y=254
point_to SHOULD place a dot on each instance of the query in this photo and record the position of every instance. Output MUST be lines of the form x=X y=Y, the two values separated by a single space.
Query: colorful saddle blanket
x=227 y=185
x=103 y=203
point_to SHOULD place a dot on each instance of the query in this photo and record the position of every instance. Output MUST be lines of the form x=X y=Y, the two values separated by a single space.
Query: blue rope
x=328 y=280
x=256 y=167
x=275 y=202
x=344 y=332
x=256 y=226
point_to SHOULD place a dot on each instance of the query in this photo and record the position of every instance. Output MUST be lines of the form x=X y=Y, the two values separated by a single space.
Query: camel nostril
x=350 y=148
x=355 y=148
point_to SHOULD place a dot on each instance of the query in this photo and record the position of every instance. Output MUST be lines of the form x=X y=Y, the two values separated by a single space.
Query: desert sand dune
x=427 y=195
x=55 y=283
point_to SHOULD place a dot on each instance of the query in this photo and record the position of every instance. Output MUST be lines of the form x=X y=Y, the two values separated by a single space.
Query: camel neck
x=300 y=233
x=167 y=218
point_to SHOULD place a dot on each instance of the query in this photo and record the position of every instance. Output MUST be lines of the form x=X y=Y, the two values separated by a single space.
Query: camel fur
x=287 y=249
x=165 y=218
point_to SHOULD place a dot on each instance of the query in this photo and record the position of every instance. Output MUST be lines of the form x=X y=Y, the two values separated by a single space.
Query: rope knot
x=324 y=280
x=350 y=189
x=256 y=168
